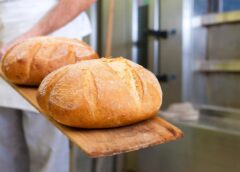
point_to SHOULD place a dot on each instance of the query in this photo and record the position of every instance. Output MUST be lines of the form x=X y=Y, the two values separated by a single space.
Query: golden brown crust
x=30 y=61
x=100 y=93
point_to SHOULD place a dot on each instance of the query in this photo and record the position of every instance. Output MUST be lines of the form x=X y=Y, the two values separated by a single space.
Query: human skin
x=64 y=12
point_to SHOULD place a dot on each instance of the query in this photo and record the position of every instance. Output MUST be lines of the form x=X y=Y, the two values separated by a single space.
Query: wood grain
x=109 y=33
x=107 y=142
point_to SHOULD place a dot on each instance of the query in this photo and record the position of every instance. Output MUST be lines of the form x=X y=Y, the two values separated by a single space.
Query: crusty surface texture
x=101 y=93
x=28 y=62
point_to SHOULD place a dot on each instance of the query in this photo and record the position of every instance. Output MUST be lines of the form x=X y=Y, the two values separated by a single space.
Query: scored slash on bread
x=28 y=62
x=100 y=93
x=112 y=141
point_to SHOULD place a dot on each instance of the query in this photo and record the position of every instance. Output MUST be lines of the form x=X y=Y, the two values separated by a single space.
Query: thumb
x=1 y=54
x=3 y=51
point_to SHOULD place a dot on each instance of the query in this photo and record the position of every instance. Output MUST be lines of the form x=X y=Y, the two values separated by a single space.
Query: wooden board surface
x=106 y=142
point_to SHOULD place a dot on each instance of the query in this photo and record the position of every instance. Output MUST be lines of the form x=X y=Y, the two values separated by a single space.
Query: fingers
x=2 y=52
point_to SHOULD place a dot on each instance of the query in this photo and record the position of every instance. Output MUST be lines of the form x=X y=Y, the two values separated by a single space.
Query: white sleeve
x=77 y=28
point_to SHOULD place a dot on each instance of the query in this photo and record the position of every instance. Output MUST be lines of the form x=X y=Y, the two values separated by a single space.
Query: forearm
x=60 y=15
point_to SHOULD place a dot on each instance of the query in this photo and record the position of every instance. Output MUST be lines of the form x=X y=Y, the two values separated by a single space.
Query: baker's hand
x=4 y=50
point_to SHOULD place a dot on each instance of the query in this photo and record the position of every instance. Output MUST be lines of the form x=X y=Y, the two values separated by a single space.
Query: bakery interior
x=193 y=48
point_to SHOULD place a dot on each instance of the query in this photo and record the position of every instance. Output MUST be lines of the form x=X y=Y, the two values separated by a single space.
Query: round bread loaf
x=101 y=93
x=28 y=62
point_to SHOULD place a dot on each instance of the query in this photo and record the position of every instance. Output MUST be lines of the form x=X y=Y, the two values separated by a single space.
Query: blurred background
x=193 y=46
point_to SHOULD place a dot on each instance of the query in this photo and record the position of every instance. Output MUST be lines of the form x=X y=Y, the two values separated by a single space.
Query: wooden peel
x=106 y=142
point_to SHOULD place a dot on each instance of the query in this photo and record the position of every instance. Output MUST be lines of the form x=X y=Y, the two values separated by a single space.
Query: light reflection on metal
x=187 y=53
x=154 y=43
x=217 y=65
x=134 y=30
x=93 y=16
x=220 y=5
x=156 y=26
x=218 y=18
x=219 y=111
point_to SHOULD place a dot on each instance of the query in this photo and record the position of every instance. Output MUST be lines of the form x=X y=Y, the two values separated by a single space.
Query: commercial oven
x=193 y=46
x=148 y=33
x=210 y=81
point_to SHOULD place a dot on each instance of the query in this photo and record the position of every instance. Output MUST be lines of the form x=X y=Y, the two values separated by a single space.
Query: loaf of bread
x=101 y=93
x=28 y=62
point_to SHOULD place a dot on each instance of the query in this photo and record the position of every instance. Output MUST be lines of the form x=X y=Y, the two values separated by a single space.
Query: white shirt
x=17 y=17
